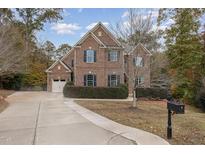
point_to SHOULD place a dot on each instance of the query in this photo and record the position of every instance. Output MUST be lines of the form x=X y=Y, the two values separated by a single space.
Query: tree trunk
x=1 y=85
x=134 y=99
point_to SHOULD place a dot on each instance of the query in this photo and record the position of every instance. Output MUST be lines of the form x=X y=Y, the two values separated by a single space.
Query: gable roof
x=56 y=62
x=97 y=38
x=107 y=32
x=145 y=49
x=68 y=53
x=86 y=36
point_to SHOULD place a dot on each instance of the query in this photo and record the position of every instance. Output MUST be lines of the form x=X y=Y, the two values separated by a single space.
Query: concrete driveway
x=43 y=118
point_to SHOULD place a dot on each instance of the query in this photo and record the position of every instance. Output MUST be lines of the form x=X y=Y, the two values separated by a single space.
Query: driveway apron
x=43 y=118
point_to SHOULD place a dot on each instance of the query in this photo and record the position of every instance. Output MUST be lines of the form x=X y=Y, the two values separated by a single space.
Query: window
x=113 y=56
x=90 y=80
x=113 y=80
x=89 y=56
x=72 y=63
x=139 y=61
x=140 y=81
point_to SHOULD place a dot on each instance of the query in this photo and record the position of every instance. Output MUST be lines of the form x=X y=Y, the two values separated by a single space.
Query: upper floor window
x=113 y=80
x=90 y=80
x=113 y=56
x=140 y=80
x=89 y=56
x=139 y=61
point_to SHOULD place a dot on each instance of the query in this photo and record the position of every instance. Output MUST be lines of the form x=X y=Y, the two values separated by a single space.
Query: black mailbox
x=175 y=106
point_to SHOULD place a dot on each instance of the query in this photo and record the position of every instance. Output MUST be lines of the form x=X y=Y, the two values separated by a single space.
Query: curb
x=141 y=137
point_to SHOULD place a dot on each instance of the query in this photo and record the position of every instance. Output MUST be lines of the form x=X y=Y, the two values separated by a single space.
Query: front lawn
x=4 y=94
x=151 y=116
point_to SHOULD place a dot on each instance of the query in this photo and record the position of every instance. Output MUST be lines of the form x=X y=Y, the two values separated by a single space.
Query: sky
x=76 y=22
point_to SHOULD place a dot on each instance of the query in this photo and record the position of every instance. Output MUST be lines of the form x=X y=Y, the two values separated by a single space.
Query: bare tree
x=138 y=28
x=12 y=51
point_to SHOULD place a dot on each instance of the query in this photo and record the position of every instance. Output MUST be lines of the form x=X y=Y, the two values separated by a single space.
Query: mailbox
x=173 y=105
x=176 y=106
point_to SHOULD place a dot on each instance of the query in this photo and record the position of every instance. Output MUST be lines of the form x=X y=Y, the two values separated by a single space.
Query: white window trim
x=93 y=56
x=115 y=56
x=140 y=80
x=139 y=64
x=93 y=80
x=113 y=81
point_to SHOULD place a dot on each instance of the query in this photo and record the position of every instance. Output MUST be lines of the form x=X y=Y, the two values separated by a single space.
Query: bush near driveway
x=200 y=99
x=3 y=105
x=3 y=95
x=151 y=93
x=120 y=92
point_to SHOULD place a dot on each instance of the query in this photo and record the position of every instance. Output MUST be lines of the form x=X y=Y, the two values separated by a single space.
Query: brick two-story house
x=98 y=59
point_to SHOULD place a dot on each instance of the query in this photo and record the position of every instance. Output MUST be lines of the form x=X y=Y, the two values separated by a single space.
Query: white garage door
x=57 y=85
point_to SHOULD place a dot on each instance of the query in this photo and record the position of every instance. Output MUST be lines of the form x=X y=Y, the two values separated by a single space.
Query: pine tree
x=184 y=51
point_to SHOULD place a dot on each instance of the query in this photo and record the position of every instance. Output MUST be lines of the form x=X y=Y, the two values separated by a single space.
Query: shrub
x=200 y=99
x=152 y=93
x=33 y=88
x=12 y=82
x=120 y=92
x=70 y=83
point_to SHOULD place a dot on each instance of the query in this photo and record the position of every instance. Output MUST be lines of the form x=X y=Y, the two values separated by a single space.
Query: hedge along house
x=97 y=59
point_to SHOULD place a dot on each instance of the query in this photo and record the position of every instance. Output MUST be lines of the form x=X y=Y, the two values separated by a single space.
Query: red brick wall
x=105 y=38
x=57 y=74
x=140 y=71
x=101 y=67
x=68 y=59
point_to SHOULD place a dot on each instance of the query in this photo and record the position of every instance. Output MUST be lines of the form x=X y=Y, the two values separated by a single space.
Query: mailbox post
x=169 y=125
x=173 y=107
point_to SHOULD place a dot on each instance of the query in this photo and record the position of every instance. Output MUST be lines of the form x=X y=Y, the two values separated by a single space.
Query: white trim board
x=56 y=62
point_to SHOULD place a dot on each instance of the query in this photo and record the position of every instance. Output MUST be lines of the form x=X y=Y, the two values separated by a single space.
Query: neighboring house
x=97 y=59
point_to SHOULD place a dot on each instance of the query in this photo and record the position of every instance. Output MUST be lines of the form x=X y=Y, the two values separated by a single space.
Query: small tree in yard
x=138 y=28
